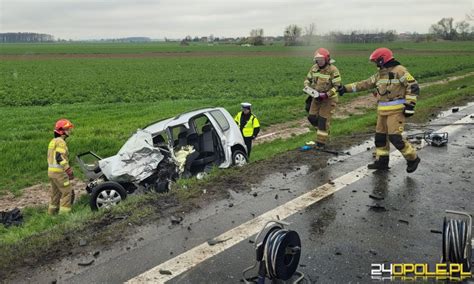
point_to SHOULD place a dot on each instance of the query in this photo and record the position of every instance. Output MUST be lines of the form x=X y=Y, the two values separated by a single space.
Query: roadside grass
x=41 y=232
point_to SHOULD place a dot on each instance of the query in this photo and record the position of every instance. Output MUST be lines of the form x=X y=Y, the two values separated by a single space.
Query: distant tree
x=444 y=29
x=187 y=38
x=292 y=35
x=196 y=39
x=256 y=37
x=309 y=33
x=462 y=30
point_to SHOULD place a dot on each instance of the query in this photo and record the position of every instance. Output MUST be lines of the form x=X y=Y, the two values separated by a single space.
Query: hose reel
x=278 y=252
x=457 y=240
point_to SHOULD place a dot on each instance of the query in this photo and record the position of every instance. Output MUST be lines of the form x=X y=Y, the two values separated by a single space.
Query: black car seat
x=193 y=140
x=207 y=145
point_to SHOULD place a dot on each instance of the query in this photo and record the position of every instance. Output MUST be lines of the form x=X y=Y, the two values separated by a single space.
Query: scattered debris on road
x=176 y=220
x=86 y=263
x=216 y=241
x=377 y=208
x=403 y=221
x=165 y=272
x=376 y=197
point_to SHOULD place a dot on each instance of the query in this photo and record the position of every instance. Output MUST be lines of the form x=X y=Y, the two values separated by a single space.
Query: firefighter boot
x=380 y=164
x=412 y=165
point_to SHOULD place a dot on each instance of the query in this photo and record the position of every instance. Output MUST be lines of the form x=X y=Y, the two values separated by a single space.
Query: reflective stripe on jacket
x=57 y=155
x=325 y=80
x=395 y=87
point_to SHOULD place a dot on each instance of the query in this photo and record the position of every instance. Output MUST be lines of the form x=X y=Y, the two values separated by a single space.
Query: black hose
x=457 y=243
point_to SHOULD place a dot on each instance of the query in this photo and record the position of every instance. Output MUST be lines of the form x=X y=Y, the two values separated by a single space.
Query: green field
x=109 y=98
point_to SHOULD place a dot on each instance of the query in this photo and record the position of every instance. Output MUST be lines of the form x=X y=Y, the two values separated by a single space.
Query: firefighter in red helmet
x=324 y=77
x=397 y=92
x=59 y=171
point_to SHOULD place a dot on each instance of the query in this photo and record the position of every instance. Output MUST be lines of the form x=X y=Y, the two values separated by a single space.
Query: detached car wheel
x=239 y=158
x=107 y=195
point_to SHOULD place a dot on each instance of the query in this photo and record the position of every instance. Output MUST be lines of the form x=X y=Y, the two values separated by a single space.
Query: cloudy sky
x=94 y=19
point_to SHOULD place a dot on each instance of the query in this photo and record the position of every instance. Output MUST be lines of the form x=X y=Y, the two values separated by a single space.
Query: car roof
x=182 y=118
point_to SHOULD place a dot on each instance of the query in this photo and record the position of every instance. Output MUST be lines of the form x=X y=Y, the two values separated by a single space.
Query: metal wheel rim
x=240 y=160
x=108 y=198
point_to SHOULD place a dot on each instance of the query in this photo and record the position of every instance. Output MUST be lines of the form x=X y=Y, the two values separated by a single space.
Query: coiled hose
x=457 y=242
x=278 y=254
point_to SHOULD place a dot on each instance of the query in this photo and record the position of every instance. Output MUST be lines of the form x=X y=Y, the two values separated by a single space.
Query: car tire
x=107 y=195
x=239 y=158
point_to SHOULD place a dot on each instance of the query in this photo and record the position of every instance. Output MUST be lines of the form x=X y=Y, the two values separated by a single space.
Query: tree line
x=25 y=37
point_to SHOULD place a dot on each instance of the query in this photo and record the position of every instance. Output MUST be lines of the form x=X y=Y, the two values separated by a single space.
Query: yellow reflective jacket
x=395 y=87
x=325 y=80
x=252 y=123
x=57 y=155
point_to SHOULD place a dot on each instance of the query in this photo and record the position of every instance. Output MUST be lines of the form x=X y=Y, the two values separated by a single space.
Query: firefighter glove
x=322 y=96
x=341 y=90
x=409 y=110
x=69 y=173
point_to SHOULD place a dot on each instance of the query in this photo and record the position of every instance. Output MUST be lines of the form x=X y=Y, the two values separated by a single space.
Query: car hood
x=135 y=161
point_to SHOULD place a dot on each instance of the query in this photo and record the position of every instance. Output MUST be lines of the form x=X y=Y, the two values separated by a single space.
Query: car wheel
x=239 y=158
x=107 y=195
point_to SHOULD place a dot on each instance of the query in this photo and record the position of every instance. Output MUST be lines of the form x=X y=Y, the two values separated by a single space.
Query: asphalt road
x=342 y=235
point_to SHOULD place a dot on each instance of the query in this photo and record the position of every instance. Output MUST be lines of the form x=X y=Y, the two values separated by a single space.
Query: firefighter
x=324 y=78
x=248 y=124
x=397 y=92
x=59 y=171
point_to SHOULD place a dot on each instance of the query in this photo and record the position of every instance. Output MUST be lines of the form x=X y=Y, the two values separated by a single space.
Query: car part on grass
x=457 y=239
x=278 y=252
x=11 y=218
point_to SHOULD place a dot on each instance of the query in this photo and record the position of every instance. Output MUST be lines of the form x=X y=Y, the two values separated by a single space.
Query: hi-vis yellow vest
x=252 y=123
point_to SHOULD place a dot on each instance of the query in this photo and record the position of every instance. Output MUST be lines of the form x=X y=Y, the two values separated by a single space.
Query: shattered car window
x=221 y=120
x=199 y=123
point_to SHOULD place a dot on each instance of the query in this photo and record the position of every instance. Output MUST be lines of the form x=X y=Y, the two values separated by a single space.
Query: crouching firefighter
x=59 y=171
x=397 y=92
x=248 y=124
x=324 y=78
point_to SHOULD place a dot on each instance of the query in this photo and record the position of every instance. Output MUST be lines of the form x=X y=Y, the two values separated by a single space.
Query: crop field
x=108 y=97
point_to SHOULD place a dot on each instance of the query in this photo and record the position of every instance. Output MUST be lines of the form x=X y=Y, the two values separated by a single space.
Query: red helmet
x=322 y=52
x=62 y=126
x=381 y=56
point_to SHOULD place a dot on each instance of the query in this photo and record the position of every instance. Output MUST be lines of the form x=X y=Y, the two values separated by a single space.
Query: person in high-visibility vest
x=397 y=93
x=248 y=124
x=59 y=171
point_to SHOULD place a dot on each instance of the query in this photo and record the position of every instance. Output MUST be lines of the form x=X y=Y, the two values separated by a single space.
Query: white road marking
x=202 y=252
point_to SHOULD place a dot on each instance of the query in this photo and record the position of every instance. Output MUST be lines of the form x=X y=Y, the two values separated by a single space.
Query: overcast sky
x=88 y=19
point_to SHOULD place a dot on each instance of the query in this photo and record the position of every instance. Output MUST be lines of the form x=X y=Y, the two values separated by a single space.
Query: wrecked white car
x=189 y=144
